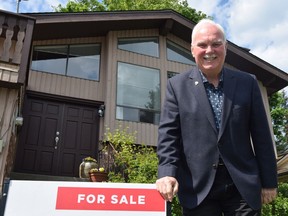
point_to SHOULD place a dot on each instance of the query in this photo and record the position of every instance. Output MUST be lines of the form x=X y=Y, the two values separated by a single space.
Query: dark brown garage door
x=56 y=136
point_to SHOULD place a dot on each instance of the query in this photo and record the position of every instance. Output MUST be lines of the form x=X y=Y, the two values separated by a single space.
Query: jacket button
x=215 y=166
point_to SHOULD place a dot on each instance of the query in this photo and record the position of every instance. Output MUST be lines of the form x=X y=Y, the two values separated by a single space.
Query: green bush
x=279 y=207
x=176 y=209
x=132 y=163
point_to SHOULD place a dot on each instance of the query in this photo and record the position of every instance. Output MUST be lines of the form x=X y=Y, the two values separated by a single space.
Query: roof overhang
x=90 y=24
x=282 y=167
x=67 y=25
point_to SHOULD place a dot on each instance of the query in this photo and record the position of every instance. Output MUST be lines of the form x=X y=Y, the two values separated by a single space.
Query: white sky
x=260 y=25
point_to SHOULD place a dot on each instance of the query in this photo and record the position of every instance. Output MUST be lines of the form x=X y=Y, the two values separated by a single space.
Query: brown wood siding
x=8 y=108
x=65 y=86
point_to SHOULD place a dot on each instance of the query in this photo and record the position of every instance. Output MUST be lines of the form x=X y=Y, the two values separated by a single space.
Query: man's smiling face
x=209 y=49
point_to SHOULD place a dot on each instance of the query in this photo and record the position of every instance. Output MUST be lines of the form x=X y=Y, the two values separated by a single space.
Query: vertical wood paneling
x=8 y=106
x=65 y=86
x=110 y=82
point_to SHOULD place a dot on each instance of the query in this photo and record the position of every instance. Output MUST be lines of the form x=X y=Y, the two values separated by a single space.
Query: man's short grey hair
x=205 y=21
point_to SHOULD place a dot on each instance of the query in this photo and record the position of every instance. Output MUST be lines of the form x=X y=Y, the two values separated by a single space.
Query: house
x=282 y=167
x=89 y=71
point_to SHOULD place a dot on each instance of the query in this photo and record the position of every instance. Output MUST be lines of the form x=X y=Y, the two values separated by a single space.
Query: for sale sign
x=111 y=199
x=43 y=198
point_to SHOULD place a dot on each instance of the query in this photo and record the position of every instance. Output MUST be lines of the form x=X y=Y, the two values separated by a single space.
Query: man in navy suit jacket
x=215 y=147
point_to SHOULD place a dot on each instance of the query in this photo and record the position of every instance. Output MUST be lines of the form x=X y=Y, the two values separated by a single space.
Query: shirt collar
x=204 y=79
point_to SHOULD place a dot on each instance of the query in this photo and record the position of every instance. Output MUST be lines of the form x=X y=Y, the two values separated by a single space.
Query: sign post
x=52 y=198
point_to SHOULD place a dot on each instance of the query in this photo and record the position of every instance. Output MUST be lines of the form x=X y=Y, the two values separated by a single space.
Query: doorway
x=56 y=136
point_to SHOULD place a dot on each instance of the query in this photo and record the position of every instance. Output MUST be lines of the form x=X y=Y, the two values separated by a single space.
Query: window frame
x=156 y=111
x=69 y=57
x=139 y=38
x=178 y=47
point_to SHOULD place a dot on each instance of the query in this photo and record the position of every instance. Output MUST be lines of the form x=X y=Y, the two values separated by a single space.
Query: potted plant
x=98 y=175
x=87 y=164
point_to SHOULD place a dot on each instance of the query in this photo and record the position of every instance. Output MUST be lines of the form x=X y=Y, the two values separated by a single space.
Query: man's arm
x=168 y=146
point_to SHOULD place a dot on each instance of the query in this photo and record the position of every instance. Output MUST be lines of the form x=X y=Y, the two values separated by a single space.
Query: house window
x=171 y=74
x=145 y=46
x=178 y=53
x=138 y=93
x=82 y=60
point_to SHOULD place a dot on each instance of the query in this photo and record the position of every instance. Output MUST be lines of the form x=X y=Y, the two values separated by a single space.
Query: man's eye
x=203 y=46
x=215 y=45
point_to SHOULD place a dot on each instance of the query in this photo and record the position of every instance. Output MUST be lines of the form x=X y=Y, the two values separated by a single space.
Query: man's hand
x=268 y=195
x=167 y=187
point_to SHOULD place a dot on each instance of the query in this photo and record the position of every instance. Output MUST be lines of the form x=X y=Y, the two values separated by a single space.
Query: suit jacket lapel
x=199 y=92
x=228 y=91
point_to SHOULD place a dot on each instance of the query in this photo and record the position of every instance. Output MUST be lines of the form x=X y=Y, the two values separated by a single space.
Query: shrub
x=279 y=207
x=132 y=163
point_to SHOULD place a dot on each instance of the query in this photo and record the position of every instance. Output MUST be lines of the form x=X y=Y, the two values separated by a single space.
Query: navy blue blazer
x=189 y=145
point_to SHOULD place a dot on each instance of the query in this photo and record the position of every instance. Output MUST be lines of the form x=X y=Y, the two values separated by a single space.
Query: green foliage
x=278 y=207
x=176 y=209
x=279 y=113
x=181 y=6
x=120 y=137
x=154 y=96
x=189 y=12
x=140 y=4
x=80 y=6
x=283 y=189
x=132 y=163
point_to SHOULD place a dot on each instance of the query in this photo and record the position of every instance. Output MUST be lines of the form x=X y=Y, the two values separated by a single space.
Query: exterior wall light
x=101 y=110
x=19 y=121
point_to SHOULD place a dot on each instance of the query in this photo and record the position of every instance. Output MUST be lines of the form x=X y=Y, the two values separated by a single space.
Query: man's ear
x=192 y=50
x=226 y=45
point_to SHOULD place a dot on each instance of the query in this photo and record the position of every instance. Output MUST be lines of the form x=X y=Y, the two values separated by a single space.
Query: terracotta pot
x=98 y=176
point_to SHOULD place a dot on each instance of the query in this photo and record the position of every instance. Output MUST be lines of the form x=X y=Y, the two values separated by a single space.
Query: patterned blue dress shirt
x=215 y=97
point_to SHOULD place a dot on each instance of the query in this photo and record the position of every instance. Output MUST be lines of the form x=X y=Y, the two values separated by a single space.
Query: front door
x=56 y=136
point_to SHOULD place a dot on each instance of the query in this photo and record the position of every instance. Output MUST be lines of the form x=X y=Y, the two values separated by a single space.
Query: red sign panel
x=112 y=199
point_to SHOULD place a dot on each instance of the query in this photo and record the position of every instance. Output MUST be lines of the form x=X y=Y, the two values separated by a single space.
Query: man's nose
x=209 y=48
